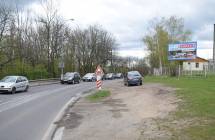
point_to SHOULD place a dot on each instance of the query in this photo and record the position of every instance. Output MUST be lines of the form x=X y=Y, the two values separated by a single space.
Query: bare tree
x=30 y=46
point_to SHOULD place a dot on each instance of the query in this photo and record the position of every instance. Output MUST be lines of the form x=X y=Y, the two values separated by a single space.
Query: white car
x=14 y=83
x=110 y=76
x=89 y=77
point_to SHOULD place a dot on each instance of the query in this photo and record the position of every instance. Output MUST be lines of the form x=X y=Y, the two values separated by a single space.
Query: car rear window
x=69 y=74
x=134 y=74
x=89 y=74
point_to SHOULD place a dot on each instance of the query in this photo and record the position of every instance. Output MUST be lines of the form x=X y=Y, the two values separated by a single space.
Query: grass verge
x=98 y=95
x=197 y=109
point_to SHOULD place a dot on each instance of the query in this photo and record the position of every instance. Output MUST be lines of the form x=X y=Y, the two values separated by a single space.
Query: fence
x=180 y=71
x=40 y=82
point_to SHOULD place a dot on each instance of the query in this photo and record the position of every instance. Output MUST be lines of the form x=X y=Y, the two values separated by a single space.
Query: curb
x=43 y=84
x=51 y=131
x=53 y=127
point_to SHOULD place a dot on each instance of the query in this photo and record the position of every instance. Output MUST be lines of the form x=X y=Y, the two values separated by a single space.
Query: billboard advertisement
x=182 y=51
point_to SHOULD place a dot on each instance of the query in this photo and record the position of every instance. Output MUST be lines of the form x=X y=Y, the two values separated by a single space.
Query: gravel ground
x=130 y=113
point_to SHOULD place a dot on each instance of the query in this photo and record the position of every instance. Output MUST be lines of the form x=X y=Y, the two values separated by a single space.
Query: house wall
x=192 y=66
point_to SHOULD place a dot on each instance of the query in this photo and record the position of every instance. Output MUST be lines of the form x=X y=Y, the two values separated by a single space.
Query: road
x=27 y=115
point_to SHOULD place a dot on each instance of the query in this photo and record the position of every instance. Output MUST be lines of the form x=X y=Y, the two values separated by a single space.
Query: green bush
x=17 y=68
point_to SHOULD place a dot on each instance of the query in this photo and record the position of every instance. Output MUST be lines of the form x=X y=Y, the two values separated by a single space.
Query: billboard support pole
x=191 y=72
x=214 y=45
x=205 y=71
x=179 y=71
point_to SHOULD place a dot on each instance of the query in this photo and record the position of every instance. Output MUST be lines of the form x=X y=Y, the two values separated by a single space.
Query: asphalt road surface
x=27 y=115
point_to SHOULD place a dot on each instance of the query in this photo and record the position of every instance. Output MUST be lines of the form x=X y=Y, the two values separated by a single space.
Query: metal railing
x=40 y=82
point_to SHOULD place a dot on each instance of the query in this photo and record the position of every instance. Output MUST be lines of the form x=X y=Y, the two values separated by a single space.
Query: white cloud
x=128 y=19
x=205 y=49
x=133 y=53
x=205 y=45
x=205 y=32
x=205 y=53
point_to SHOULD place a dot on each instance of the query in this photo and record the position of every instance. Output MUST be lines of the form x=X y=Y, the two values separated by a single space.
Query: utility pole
x=213 y=48
x=159 y=51
x=214 y=45
x=111 y=60
x=61 y=65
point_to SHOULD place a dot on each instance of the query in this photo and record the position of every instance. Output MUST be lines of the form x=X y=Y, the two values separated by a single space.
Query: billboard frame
x=182 y=54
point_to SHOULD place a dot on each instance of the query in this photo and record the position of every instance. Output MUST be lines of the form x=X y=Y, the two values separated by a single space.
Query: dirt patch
x=70 y=120
x=117 y=107
x=130 y=113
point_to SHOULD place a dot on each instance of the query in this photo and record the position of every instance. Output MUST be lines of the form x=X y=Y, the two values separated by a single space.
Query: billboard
x=182 y=51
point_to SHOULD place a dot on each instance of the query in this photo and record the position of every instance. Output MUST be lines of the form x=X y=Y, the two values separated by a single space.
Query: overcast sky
x=128 y=20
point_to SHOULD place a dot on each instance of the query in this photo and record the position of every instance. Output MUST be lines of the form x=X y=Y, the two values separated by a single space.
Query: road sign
x=99 y=84
x=99 y=73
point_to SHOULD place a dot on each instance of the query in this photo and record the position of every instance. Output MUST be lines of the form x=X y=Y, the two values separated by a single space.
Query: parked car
x=114 y=76
x=119 y=75
x=133 y=78
x=71 y=78
x=109 y=76
x=103 y=76
x=14 y=83
x=89 y=77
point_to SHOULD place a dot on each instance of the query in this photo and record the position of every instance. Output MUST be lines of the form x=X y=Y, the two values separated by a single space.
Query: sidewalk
x=41 y=83
x=122 y=116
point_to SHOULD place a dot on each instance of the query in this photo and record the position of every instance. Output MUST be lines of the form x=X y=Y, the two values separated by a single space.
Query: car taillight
x=129 y=78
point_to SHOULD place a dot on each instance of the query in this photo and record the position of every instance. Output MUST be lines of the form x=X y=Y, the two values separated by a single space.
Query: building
x=198 y=64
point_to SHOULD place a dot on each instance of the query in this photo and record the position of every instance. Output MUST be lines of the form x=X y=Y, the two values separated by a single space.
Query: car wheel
x=13 y=90
x=26 y=89
x=62 y=82
x=141 y=83
x=71 y=82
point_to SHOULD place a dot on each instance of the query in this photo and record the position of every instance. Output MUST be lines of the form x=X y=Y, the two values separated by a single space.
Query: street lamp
x=61 y=66
x=61 y=63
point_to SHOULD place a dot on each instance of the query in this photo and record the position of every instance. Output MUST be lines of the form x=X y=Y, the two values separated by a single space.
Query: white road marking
x=26 y=98
x=14 y=99
x=59 y=134
x=52 y=127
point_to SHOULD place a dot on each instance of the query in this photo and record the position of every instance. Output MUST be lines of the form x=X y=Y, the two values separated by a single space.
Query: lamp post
x=61 y=63
x=61 y=66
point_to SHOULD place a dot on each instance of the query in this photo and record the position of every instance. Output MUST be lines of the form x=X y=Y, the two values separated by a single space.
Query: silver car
x=14 y=83
x=109 y=76
x=89 y=77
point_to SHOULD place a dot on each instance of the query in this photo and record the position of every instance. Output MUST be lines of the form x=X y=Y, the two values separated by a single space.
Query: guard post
x=99 y=74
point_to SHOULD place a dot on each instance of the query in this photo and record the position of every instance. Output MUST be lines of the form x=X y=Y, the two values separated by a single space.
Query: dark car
x=103 y=76
x=133 y=78
x=71 y=78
